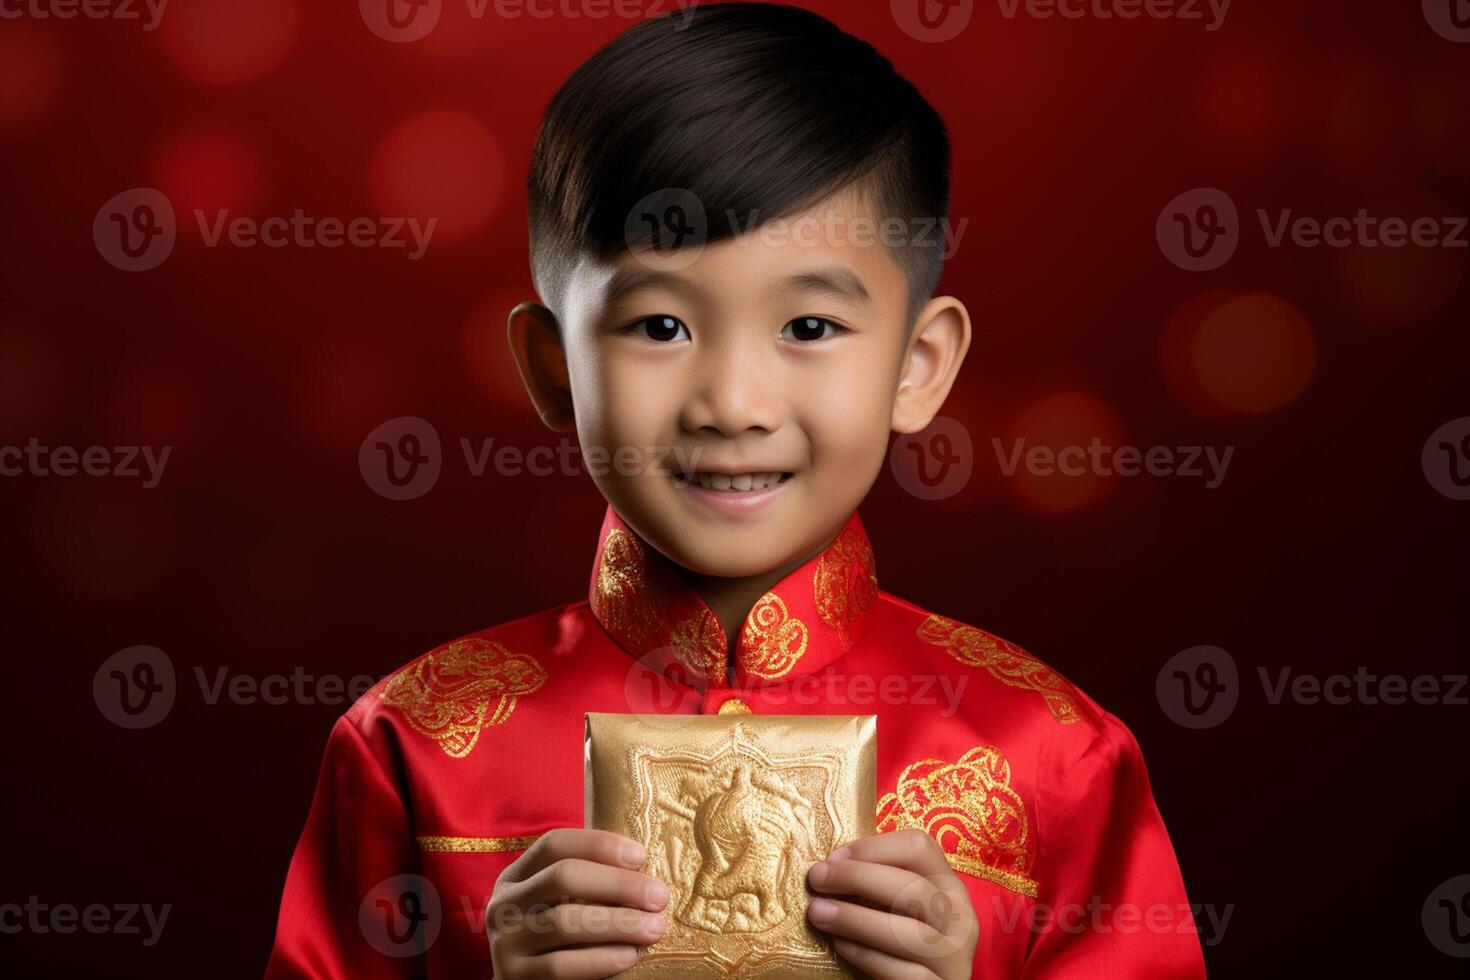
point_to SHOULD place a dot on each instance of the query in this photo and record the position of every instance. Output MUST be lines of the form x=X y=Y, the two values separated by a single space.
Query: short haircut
x=760 y=111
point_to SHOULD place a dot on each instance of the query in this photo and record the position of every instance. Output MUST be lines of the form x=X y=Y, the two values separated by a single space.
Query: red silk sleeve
x=1112 y=905
x=357 y=836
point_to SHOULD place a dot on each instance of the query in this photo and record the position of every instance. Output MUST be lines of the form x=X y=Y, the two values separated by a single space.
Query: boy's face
x=756 y=385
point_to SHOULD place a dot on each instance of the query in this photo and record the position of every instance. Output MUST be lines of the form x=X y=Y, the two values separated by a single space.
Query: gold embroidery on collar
x=627 y=603
x=476 y=845
x=846 y=582
x=774 y=640
x=453 y=694
x=699 y=643
x=622 y=591
x=1005 y=661
x=970 y=808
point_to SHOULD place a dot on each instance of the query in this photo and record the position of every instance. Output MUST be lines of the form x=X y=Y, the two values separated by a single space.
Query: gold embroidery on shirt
x=1005 y=661
x=846 y=582
x=734 y=706
x=970 y=808
x=773 y=640
x=453 y=694
x=627 y=603
x=476 y=845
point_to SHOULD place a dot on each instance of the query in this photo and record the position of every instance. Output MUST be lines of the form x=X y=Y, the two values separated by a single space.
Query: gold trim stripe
x=476 y=845
x=1010 y=881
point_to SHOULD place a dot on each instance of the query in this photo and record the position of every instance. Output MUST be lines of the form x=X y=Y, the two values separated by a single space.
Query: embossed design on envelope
x=453 y=694
x=1006 y=662
x=740 y=827
x=971 y=809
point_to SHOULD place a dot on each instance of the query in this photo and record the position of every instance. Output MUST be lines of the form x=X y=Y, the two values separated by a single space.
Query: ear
x=936 y=350
x=535 y=340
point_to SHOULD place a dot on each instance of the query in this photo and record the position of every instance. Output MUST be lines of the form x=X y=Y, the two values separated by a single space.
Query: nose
x=736 y=389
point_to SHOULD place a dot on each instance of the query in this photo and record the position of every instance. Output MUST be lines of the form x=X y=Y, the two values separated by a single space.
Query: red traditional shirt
x=447 y=770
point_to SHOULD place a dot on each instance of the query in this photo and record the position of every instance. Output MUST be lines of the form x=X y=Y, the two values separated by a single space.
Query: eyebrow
x=836 y=280
x=627 y=281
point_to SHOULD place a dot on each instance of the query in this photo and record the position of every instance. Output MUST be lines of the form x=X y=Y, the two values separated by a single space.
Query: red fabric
x=1039 y=797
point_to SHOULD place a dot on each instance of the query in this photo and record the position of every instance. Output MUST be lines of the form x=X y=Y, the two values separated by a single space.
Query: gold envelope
x=733 y=809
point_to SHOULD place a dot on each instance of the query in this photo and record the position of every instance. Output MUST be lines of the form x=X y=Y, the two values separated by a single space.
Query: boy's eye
x=660 y=328
x=808 y=328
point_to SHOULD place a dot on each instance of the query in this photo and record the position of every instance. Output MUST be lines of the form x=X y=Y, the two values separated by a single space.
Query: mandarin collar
x=807 y=620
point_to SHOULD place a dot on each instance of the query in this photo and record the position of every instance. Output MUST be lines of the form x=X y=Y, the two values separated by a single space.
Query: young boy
x=711 y=203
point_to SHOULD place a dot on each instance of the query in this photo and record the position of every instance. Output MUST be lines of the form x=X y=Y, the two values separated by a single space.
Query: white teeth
x=743 y=482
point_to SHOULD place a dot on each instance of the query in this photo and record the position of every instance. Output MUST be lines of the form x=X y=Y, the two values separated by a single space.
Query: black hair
x=753 y=112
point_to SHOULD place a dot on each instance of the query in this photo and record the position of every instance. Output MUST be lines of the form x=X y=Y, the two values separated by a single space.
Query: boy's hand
x=572 y=907
x=897 y=910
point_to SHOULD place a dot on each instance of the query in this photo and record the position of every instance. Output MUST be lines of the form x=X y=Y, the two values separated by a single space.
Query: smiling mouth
x=732 y=482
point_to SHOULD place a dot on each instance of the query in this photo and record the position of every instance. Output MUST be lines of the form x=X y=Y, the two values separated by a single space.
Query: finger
x=587 y=925
x=880 y=965
x=584 y=963
x=894 y=889
x=906 y=938
x=576 y=878
x=601 y=846
x=911 y=849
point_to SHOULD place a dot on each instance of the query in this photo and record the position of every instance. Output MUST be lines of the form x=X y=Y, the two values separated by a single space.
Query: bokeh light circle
x=208 y=169
x=224 y=42
x=1254 y=353
x=30 y=75
x=439 y=166
x=1056 y=422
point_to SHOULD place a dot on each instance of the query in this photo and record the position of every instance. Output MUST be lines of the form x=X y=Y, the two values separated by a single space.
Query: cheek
x=619 y=404
x=847 y=414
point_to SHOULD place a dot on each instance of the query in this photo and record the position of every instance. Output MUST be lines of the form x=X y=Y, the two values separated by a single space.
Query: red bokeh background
x=263 y=550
